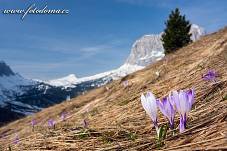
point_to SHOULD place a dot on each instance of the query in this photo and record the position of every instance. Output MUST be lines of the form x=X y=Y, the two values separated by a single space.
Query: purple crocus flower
x=33 y=122
x=51 y=123
x=149 y=104
x=85 y=123
x=125 y=83
x=16 y=140
x=167 y=110
x=63 y=116
x=183 y=104
x=211 y=75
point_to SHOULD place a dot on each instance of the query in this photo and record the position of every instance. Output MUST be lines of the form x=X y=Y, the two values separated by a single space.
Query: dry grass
x=117 y=120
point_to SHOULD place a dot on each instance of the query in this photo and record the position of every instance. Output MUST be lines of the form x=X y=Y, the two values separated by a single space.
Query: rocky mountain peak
x=146 y=50
x=196 y=32
x=5 y=70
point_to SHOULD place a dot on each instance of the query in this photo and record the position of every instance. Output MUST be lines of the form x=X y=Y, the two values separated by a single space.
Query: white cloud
x=96 y=48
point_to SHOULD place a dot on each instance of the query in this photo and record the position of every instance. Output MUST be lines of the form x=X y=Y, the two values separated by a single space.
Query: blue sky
x=95 y=36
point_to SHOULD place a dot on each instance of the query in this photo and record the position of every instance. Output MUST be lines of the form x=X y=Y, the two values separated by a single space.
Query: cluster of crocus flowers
x=181 y=102
x=211 y=75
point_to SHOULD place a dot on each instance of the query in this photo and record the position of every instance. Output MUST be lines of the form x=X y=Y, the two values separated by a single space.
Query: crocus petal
x=145 y=104
x=185 y=120
x=191 y=97
x=182 y=125
x=167 y=110
x=172 y=123
x=149 y=104
x=172 y=115
x=161 y=107
x=184 y=102
x=175 y=101
x=171 y=99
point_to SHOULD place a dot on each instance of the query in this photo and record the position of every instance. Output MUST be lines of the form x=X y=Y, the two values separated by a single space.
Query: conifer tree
x=176 y=33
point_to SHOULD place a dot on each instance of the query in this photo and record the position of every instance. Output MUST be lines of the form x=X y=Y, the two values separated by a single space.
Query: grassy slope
x=116 y=118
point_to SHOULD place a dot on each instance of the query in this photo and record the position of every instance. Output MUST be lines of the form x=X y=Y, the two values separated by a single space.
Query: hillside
x=116 y=119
